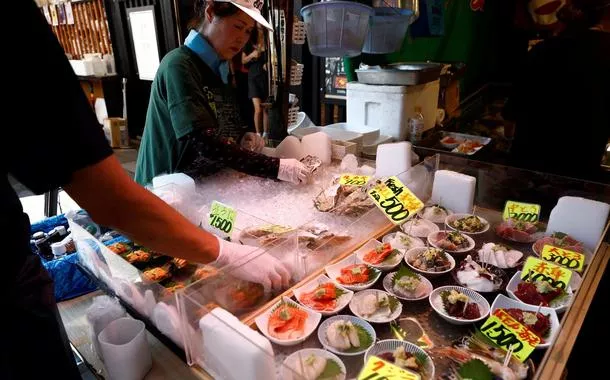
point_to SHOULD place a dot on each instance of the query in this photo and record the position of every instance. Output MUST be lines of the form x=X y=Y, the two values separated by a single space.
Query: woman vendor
x=193 y=124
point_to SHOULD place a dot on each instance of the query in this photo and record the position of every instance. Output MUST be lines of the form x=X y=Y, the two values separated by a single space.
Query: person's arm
x=245 y=59
x=114 y=200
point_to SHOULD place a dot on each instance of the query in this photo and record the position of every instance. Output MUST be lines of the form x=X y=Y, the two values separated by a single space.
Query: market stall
x=279 y=217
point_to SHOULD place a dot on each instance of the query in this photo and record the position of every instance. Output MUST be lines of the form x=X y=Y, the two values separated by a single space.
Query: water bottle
x=416 y=126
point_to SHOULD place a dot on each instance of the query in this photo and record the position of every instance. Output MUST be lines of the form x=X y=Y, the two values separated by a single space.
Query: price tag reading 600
x=222 y=217
x=396 y=201
x=378 y=369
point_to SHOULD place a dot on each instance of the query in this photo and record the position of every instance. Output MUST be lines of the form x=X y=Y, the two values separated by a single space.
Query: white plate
x=419 y=227
x=395 y=239
x=389 y=287
x=262 y=322
x=290 y=365
x=374 y=318
x=342 y=301
x=511 y=288
x=384 y=265
x=334 y=271
x=503 y=302
x=437 y=304
x=454 y=217
x=435 y=218
x=434 y=237
x=390 y=345
x=355 y=321
x=416 y=251
x=587 y=253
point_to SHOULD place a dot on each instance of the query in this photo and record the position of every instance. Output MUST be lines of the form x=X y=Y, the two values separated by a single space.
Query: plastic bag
x=183 y=199
x=104 y=310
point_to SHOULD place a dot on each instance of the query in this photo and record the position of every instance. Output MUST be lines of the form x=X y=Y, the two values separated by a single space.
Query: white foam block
x=318 y=145
x=581 y=218
x=227 y=342
x=290 y=147
x=393 y=159
x=454 y=191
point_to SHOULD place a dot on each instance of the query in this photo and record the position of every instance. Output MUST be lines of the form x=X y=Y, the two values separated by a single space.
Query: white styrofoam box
x=334 y=133
x=393 y=159
x=183 y=181
x=369 y=134
x=371 y=150
x=340 y=149
x=453 y=190
x=227 y=341
x=388 y=108
x=290 y=147
x=82 y=68
x=319 y=145
x=583 y=219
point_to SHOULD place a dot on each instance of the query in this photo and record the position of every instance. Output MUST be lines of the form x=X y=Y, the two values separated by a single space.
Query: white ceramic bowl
x=334 y=271
x=384 y=265
x=419 y=227
x=511 y=288
x=375 y=318
x=451 y=218
x=503 y=302
x=395 y=238
x=435 y=236
x=355 y=321
x=436 y=218
x=389 y=287
x=290 y=365
x=390 y=345
x=342 y=301
x=412 y=253
x=437 y=304
x=313 y=319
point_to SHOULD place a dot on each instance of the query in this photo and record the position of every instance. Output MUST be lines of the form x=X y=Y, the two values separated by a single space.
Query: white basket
x=296 y=73
x=298 y=32
x=293 y=114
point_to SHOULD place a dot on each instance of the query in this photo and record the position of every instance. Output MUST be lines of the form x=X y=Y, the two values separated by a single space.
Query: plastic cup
x=125 y=349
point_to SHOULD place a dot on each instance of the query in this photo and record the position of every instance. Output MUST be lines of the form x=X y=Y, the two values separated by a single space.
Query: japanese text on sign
x=222 y=217
x=395 y=200
x=527 y=212
x=540 y=270
x=566 y=258
x=378 y=369
x=354 y=180
x=507 y=332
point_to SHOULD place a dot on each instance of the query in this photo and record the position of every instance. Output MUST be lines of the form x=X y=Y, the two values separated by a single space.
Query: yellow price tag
x=222 y=217
x=564 y=257
x=379 y=369
x=507 y=332
x=540 y=270
x=395 y=200
x=527 y=212
x=354 y=180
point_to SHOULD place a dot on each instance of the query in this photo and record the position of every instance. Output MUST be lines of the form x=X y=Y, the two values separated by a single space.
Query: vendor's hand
x=256 y=54
x=253 y=141
x=292 y=170
x=253 y=264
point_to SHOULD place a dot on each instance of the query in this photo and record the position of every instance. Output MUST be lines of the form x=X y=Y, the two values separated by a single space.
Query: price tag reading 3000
x=222 y=217
x=396 y=201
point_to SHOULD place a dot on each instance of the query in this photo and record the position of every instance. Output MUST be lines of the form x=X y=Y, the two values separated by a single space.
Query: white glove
x=293 y=171
x=253 y=141
x=252 y=264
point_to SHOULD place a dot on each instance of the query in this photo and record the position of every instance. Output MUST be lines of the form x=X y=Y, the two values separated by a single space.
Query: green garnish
x=403 y=271
x=364 y=337
x=285 y=315
x=475 y=369
x=320 y=293
x=392 y=255
x=331 y=371
x=356 y=270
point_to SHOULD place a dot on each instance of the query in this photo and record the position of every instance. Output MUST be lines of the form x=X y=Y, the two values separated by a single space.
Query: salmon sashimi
x=287 y=322
x=379 y=254
x=354 y=274
x=322 y=298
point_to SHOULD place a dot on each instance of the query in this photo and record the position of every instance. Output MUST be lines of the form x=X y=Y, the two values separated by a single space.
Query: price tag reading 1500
x=378 y=369
x=507 y=332
x=395 y=200
x=222 y=217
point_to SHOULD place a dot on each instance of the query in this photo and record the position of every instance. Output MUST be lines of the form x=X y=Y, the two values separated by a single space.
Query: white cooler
x=389 y=108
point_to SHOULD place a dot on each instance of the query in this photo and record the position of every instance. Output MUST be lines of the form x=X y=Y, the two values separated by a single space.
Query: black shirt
x=54 y=131
x=561 y=105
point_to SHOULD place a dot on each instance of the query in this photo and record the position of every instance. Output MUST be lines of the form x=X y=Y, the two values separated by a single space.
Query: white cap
x=252 y=8
x=58 y=249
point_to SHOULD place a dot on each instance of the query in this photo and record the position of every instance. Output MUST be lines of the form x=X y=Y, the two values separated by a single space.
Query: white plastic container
x=334 y=133
x=125 y=348
x=388 y=108
x=369 y=135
